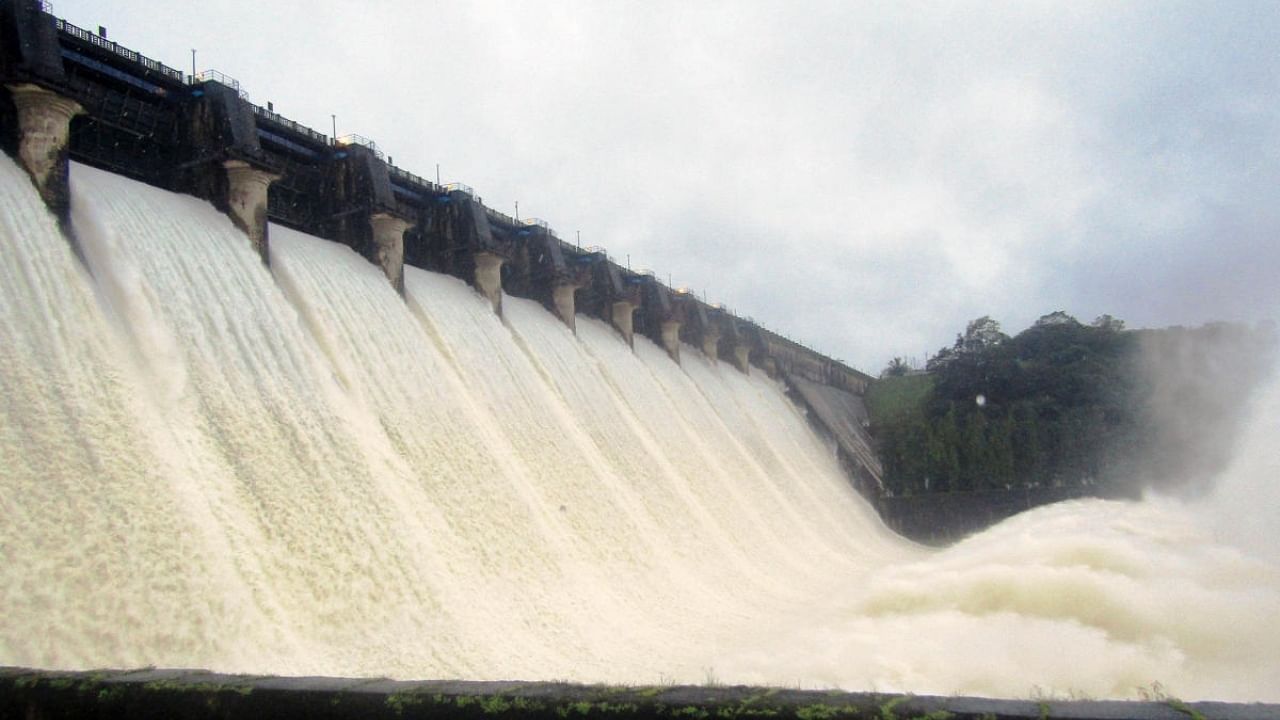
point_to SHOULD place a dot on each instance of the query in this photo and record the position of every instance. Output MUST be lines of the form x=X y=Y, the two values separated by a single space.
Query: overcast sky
x=863 y=177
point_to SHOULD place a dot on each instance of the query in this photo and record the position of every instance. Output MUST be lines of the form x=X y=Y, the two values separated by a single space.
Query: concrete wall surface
x=944 y=518
x=844 y=416
x=150 y=693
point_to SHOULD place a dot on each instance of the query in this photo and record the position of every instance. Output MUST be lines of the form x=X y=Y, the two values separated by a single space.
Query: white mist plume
x=1245 y=503
x=1196 y=389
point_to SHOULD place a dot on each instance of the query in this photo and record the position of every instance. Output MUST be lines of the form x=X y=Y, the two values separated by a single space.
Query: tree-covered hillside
x=1064 y=403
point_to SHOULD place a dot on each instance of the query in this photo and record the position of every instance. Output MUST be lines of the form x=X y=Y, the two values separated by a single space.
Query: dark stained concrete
x=151 y=693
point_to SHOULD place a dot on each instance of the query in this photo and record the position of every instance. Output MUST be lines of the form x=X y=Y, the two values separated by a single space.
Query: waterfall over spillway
x=208 y=463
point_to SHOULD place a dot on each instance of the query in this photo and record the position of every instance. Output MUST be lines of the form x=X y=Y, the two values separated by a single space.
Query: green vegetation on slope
x=895 y=396
x=1064 y=403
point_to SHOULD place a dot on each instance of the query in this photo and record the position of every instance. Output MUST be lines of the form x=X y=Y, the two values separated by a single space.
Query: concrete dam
x=271 y=405
x=98 y=103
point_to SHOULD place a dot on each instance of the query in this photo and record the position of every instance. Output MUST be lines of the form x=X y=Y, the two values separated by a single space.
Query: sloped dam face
x=208 y=463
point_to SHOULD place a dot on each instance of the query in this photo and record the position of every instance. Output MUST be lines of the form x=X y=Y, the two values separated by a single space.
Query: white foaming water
x=98 y=554
x=204 y=462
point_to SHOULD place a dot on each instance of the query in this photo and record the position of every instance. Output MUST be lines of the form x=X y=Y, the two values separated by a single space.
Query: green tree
x=897 y=367
x=1063 y=403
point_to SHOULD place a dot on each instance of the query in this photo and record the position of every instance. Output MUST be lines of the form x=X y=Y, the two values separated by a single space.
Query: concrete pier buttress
x=671 y=339
x=247 y=201
x=489 y=278
x=623 y=320
x=562 y=298
x=388 y=240
x=44 y=123
x=710 y=342
x=770 y=367
x=741 y=358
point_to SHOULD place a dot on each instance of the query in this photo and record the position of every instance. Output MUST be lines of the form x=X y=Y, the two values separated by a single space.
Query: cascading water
x=207 y=463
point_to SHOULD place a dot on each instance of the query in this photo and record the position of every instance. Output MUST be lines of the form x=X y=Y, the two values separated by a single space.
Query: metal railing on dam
x=117 y=49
